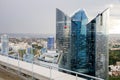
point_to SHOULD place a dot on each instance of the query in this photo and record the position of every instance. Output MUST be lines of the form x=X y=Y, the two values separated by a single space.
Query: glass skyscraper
x=63 y=38
x=5 y=46
x=71 y=40
x=79 y=57
x=83 y=46
x=97 y=45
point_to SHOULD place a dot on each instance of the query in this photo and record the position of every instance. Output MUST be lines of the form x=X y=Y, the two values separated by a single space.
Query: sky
x=39 y=16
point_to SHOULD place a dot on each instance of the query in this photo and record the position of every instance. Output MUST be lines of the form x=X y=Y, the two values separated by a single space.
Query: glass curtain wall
x=63 y=38
x=79 y=57
x=97 y=45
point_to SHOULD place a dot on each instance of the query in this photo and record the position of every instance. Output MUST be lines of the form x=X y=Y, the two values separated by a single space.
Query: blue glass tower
x=79 y=59
x=5 y=44
x=50 y=43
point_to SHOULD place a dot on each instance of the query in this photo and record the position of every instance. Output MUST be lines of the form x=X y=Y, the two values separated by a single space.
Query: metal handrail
x=72 y=72
x=76 y=73
x=66 y=70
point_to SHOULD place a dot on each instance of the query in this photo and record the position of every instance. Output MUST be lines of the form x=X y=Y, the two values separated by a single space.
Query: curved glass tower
x=79 y=59
x=71 y=41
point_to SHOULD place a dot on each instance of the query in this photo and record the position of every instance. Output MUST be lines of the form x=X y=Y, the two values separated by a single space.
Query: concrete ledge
x=37 y=71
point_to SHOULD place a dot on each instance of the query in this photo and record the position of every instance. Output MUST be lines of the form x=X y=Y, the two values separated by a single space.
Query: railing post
x=76 y=76
x=50 y=73
x=32 y=70
x=18 y=63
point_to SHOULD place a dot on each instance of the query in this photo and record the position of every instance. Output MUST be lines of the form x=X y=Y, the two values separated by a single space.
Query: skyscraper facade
x=63 y=38
x=79 y=59
x=71 y=40
x=50 y=43
x=5 y=46
x=97 y=45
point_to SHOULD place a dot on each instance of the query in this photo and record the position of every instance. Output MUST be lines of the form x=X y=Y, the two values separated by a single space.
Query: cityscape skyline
x=77 y=47
x=19 y=16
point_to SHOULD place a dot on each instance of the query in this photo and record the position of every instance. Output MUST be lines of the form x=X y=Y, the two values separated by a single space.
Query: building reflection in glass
x=97 y=45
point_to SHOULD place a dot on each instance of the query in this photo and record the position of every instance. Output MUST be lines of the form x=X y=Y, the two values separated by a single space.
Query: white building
x=50 y=56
